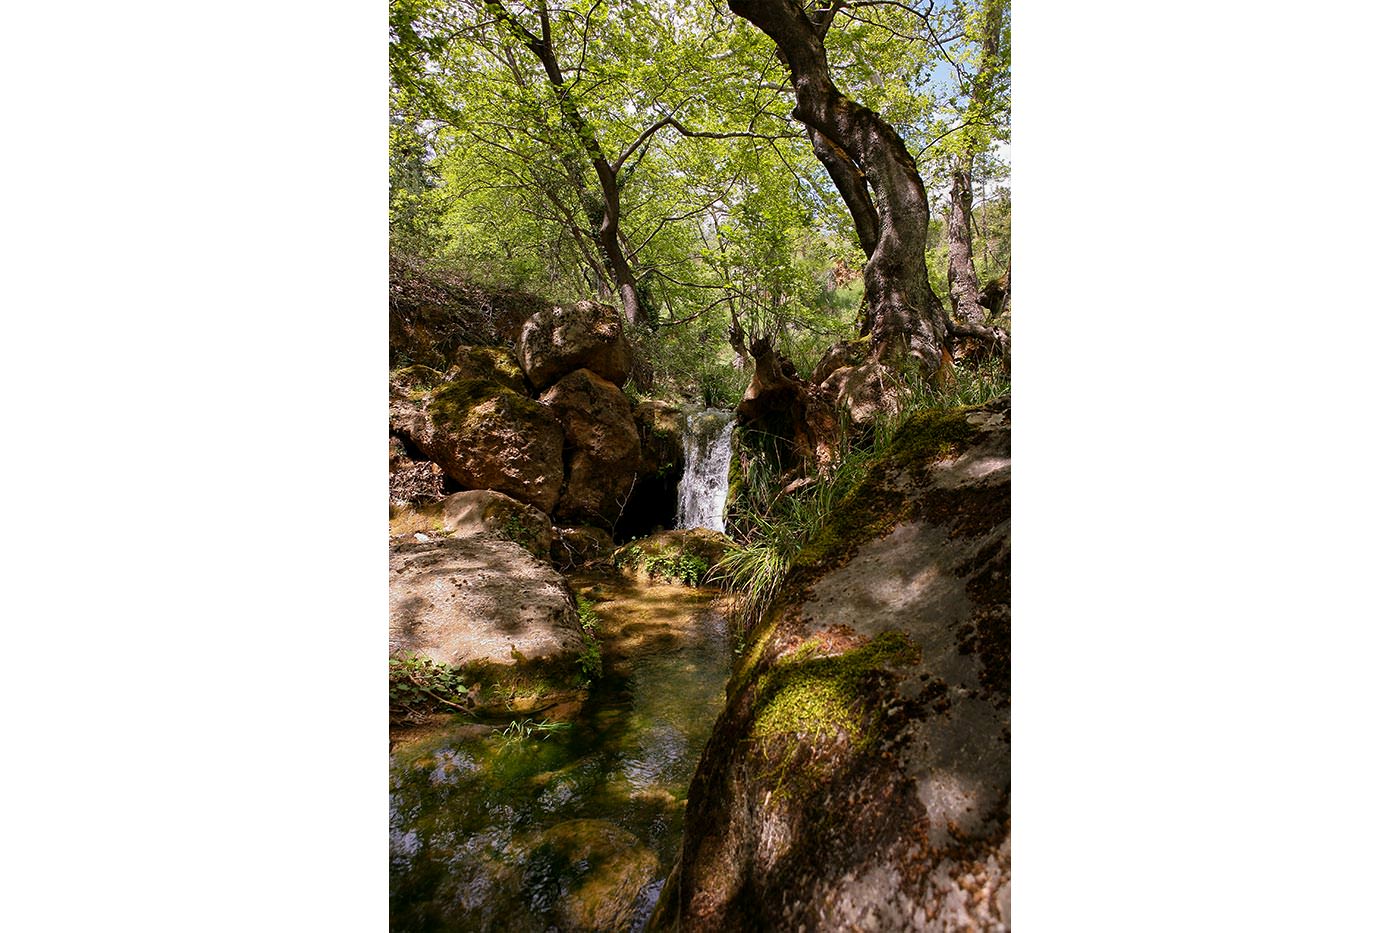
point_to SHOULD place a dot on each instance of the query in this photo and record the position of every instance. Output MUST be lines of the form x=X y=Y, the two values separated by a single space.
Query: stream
x=574 y=829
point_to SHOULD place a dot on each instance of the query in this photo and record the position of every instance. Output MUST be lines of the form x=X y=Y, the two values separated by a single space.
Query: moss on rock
x=829 y=695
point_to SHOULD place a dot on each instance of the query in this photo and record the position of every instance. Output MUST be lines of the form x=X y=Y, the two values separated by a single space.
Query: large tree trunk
x=876 y=177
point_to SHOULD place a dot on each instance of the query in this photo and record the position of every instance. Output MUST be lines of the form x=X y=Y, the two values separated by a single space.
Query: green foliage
x=773 y=526
x=675 y=565
x=514 y=529
x=420 y=685
x=518 y=730
x=590 y=660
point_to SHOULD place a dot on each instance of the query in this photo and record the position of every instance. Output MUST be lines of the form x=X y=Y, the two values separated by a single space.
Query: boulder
x=604 y=450
x=479 y=600
x=483 y=433
x=859 y=776
x=677 y=556
x=558 y=340
x=488 y=363
x=487 y=512
x=864 y=391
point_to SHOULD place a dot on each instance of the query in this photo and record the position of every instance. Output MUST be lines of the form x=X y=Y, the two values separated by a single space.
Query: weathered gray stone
x=459 y=601
x=859 y=777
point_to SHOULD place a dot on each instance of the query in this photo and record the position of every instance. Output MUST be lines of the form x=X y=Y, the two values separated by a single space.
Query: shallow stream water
x=575 y=829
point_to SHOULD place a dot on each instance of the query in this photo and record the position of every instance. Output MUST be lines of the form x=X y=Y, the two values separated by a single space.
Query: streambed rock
x=462 y=601
x=859 y=776
x=604 y=870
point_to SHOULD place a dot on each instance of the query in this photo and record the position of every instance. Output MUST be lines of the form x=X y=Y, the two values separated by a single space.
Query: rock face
x=652 y=505
x=859 y=777
x=486 y=512
x=411 y=480
x=588 y=335
x=604 y=450
x=483 y=433
x=460 y=601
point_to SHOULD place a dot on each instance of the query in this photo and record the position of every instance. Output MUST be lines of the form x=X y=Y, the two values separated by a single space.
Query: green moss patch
x=826 y=696
x=468 y=401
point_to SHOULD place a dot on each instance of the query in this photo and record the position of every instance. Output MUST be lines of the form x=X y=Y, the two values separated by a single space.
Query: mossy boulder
x=481 y=431
x=558 y=340
x=859 y=776
x=678 y=556
x=479 y=601
x=603 y=449
x=489 y=363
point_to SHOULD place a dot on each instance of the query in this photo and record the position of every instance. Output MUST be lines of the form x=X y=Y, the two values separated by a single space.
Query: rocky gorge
x=609 y=751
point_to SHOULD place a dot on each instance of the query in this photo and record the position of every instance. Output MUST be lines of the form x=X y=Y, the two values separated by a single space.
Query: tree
x=985 y=113
x=877 y=178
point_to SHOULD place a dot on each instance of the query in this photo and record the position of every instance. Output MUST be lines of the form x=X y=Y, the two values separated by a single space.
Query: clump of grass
x=590 y=660
x=773 y=520
x=520 y=729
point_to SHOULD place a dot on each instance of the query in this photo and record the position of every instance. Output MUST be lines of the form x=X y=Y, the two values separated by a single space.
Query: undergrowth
x=590 y=660
x=420 y=685
x=773 y=518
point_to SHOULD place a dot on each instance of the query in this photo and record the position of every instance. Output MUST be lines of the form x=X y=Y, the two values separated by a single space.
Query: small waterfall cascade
x=705 y=480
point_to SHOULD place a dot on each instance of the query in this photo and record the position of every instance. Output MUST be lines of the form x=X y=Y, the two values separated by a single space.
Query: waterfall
x=705 y=482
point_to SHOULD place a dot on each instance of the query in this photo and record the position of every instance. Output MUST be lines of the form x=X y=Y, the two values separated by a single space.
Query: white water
x=705 y=481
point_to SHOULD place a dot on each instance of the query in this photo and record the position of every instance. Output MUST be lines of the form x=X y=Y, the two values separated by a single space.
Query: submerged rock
x=859 y=776
x=597 y=869
x=561 y=339
x=479 y=600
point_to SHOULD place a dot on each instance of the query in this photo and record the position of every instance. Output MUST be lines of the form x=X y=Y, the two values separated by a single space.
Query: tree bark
x=877 y=178
x=962 y=274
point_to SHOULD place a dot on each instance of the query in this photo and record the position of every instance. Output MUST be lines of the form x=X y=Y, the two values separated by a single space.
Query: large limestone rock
x=487 y=512
x=604 y=449
x=561 y=339
x=481 y=431
x=461 y=601
x=859 y=776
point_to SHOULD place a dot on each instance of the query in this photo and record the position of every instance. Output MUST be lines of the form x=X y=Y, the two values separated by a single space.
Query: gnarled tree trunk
x=877 y=178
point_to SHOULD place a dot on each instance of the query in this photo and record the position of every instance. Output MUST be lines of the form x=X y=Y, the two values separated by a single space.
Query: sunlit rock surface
x=859 y=777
